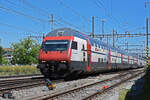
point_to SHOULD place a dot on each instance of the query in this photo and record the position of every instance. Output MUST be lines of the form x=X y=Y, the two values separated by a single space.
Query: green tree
x=5 y=61
x=25 y=52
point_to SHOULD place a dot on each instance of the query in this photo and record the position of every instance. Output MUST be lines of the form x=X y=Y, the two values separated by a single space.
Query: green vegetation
x=5 y=61
x=18 y=70
x=145 y=95
x=25 y=52
x=122 y=95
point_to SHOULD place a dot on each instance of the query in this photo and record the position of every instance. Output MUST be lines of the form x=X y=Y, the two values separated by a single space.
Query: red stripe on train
x=88 y=56
x=121 y=59
x=109 y=57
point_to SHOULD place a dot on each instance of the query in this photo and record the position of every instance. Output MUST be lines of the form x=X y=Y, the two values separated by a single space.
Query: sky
x=23 y=18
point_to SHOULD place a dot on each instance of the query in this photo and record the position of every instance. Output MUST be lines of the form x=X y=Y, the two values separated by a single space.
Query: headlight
x=43 y=61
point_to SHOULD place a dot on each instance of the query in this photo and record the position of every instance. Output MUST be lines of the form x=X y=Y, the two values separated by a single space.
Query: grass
x=18 y=70
x=122 y=95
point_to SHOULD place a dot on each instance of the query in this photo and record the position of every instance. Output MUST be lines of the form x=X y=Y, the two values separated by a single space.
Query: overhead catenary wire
x=16 y=27
x=22 y=14
x=40 y=11
x=110 y=13
x=74 y=11
x=99 y=4
x=29 y=16
x=59 y=19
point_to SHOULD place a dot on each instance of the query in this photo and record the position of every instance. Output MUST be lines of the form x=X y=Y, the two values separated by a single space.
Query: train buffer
x=49 y=84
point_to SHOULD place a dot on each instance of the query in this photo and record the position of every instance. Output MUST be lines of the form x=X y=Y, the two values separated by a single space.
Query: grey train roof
x=66 y=32
x=72 y=32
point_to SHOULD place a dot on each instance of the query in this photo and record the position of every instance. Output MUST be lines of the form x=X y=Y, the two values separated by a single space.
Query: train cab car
x=64 y=52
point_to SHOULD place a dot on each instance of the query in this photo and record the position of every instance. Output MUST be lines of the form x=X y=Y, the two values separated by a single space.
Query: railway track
x=15 y=84
x=19 y=76
x=8 y=85
x=98 y=93
x=112 y=82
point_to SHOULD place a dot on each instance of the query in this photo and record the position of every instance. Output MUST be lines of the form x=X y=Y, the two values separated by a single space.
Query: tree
x=5 y=61
x=25 y=52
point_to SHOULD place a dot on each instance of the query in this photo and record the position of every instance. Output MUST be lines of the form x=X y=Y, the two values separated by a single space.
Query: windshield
x=55 y=45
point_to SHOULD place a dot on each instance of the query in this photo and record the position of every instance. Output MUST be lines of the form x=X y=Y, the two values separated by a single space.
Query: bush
x=18 y=70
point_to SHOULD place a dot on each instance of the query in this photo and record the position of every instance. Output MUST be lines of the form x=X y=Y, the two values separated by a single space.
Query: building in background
x=8 y=54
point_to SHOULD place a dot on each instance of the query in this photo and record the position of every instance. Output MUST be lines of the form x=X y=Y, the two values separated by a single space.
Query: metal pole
x=147 y=51
x=93 y=26
x=127 y=46
x=113 y=38
x=52 y=22
x=103 y=28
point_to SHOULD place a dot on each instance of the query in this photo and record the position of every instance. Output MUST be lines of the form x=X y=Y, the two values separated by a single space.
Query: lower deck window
x=100 y=59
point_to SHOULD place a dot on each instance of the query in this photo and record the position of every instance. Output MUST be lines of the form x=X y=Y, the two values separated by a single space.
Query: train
x=66 y=52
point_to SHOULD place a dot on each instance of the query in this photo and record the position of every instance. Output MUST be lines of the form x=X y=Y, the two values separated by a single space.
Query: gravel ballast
x=41 y=90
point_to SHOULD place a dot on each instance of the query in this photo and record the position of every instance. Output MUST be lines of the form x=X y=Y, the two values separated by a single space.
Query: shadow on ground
x=141 y=89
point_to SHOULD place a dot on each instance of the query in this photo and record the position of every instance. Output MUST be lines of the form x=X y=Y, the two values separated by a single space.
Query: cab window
x=74 y=45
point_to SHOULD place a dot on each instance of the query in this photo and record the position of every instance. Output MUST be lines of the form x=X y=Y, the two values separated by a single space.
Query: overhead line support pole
x=113 y=38
x=93 y=26
x=103 y=27
x=52 y=22
x=147 y=49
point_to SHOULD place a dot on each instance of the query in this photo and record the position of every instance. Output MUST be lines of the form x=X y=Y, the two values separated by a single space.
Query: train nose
x=54 y=56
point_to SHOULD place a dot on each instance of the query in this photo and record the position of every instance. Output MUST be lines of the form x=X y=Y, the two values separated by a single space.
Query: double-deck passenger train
x=66 y=52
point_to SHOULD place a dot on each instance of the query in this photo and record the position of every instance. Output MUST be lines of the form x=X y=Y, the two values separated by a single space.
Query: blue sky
x=22 y=18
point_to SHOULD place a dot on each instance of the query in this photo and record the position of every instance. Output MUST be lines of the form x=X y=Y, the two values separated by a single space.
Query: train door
x=75 y=51
x=88 y=56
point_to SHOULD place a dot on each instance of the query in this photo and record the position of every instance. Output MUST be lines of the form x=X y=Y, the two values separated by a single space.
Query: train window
x=60 y=33
x=74 y=45
x=43 y=45
x=84 y=54
x=84 y=59
x=99 y=59
x=105 y=59
x=83 y=48
x=96 y=45
x=89 y=60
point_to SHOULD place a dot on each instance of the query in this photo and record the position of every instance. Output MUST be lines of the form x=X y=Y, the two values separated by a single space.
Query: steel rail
x=111 y=87
x=47 y=97
x=16 y=76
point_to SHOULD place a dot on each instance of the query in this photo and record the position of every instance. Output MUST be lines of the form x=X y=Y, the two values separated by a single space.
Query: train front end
x=54 y=57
